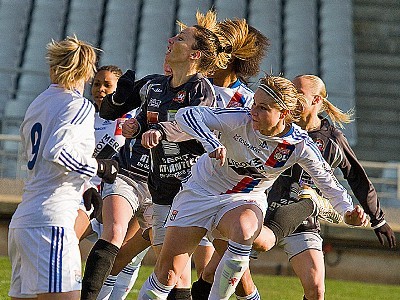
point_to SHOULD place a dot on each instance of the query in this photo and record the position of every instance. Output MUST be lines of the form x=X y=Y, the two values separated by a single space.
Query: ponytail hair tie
x=227 y=49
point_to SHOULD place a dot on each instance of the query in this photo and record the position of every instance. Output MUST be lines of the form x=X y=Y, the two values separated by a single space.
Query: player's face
x=267 y=118
x=304 y=87
x=105 y=82
x=180 y=47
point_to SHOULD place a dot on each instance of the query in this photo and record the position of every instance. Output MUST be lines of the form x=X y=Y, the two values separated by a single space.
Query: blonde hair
x=215 y=55
x=337 y=116
x=70 y=61
x=285 y=95
x=249 y=46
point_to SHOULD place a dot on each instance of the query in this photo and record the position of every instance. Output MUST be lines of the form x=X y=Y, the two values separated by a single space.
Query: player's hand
x=130 y=128
x=356 y=217
x=219 y=154
x=125 y=86
x=92 y=197
x=107 y=170
x=386 y=230
x=151 y=138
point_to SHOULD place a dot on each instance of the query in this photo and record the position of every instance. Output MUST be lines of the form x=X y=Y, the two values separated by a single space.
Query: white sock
x=230 y=269
x=153 y=289
x=253 y=296
x=125 y=281
x=107 y=288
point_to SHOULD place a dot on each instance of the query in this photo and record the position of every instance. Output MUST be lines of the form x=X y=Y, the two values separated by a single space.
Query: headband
x=272 y=93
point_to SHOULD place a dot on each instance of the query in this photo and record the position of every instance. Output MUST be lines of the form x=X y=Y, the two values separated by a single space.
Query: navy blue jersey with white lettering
x=171 y=161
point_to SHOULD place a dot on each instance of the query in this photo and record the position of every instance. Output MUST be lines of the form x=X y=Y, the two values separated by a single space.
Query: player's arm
x=126 y=97
x=364 y=191
x=74 y=122
x=315 y=165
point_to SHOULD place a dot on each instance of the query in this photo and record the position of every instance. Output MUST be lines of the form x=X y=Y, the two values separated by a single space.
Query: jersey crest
x=180 y=96
x=280 y=155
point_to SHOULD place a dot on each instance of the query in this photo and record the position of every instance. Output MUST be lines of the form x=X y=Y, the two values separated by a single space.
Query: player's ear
x=196 y=54
x=283 y=114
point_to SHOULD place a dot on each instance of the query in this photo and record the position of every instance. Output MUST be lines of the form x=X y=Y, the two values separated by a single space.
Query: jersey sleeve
x=359 y=182
x=201 y=121
x=314 y=164
x=76 y=123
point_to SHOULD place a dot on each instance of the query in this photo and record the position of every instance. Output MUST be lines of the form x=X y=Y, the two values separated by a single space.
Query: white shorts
x=193 y=206
x=43 y=260
x=299 y=242
x=138 y=196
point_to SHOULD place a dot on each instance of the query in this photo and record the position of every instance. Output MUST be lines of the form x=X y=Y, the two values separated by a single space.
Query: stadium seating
x=230 y=9
x=157 y=25
x=187 y=10
x=84 y=20
x=306 y=37
x=301 y=38
x=337 y=57
x=120 y=32
x=266 y=17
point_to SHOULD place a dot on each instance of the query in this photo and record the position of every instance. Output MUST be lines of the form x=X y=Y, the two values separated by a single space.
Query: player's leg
x=117 y=212
x=241 y=225
x=307 y=260
x=202 y=255
x=82 y=223
x=179 y=244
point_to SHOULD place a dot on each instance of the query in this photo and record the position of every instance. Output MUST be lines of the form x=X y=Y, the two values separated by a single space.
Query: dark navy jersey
x=133 y=158
x=337 y=152
x=171 y=162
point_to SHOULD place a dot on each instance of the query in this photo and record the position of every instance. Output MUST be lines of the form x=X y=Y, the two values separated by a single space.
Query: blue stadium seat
x=157 y=25
x=119 y=36
x=46 y=14
x=14 y=16
x=230 y=9
x=266 y=17
x=300 y=38
x=84 y=20
x=31 y=85
x=187 y=10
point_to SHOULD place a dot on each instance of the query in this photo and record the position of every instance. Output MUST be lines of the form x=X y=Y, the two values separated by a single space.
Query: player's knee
x=244 y=231
x=265 y=240
x=172 y=278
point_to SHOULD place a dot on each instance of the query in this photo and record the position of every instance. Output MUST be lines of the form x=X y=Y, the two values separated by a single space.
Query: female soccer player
x=226 y=192
x=195 y=49
x=304 y=246
x=58 y=138
x=249 y=47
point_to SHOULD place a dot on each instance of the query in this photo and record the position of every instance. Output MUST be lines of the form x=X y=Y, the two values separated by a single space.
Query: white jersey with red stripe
x=253 y=160
x=58 y=139
x=237 y=95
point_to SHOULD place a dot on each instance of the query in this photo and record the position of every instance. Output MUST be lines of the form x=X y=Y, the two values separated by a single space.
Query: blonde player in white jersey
x=226 y=192
x=249 y=47
x=58 y=139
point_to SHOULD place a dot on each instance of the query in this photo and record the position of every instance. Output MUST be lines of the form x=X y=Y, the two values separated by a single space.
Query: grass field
x=270 y=287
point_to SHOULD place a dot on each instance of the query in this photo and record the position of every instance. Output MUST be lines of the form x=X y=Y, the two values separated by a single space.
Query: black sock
x=201 y=289
x=287 y=218
x=98 y=266
x=179 y=294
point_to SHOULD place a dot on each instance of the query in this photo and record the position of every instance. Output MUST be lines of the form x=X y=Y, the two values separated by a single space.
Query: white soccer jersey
x=253 y=160
x=237 y=95
x=58 y=139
